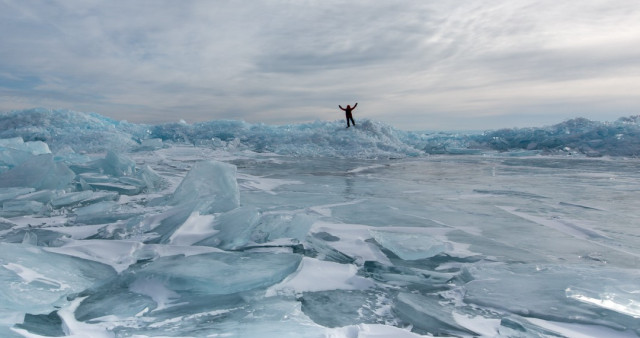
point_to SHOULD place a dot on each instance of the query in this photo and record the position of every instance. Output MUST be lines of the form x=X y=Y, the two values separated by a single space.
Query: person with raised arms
x=347 y=112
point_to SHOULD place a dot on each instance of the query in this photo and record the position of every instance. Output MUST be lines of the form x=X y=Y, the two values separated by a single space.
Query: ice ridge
x=65 y=130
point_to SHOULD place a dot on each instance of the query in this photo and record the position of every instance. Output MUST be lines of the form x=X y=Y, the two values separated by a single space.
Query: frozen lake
x=227 y=229
x=327 y=247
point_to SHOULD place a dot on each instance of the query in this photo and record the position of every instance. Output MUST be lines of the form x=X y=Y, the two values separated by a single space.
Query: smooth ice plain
x=161 y=236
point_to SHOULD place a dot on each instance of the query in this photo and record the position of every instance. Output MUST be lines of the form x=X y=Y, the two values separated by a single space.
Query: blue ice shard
x=412 y=245
x=210 y=186
x=39 y=172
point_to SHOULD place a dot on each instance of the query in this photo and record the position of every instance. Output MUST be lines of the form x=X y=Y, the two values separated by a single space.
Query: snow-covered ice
x=224 y=228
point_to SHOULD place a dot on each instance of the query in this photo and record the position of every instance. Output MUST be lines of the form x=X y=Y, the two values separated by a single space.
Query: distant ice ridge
x=90 y=132
x=579 y=135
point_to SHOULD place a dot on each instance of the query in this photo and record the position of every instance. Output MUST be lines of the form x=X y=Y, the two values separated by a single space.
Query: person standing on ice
x=347 y=112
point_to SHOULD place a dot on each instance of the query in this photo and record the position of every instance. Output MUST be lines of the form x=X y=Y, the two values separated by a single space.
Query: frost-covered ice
x=223 y=228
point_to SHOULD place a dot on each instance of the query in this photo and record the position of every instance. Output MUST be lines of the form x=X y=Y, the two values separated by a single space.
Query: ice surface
x=539 y=291
x=226 y=228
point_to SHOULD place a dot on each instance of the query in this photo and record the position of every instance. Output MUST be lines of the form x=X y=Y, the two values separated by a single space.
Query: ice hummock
x=81 y=132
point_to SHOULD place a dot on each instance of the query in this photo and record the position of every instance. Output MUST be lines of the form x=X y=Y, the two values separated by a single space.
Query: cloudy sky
x=419 y=64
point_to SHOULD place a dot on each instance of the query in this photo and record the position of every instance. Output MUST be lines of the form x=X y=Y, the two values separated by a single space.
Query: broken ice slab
x=132 y=181
x=11 y=193
x=336 y=308
x=11 y=142
x=411 y=245
x=113 y=164
x=623 y=300
x=152 y=181
x=118 y=165
x=33 y=147
x=14 y=151
x=71 y=198
x=428 y=315
x=210 y=186
x=409 y=277
x=145 y=179
x=47 y=325
x=352 y=241
x=100 y=213
x=95 y=177
x=42 y=196
x=151 y=144
x=97 y=208
x=34 y=236
x=317 y=275
x=237 y=316
x=373 y=331
x=122 y=185
x=5 y=224
x=10 y=158
x=35 y=281
x=245 y=226
x=234 y=229
x=159 y=228
x=82 y=197
x=179 y=280
x=194 y=229
x=20 y=208
x=219 y=273
x=39 y=172
x=275 y=226
x=150 y=228
x=120 y=188
x=120 y=254
x=67 y=155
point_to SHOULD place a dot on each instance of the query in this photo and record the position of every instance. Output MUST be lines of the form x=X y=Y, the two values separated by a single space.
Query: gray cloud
x=414 y=64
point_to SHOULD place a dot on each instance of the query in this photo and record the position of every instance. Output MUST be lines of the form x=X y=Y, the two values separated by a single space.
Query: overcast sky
x=420 y=64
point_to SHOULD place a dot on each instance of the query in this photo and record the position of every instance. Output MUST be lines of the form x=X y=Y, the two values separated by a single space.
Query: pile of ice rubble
x=102 y=247
x=99 y=247
x=82 y=132
x=64 y=129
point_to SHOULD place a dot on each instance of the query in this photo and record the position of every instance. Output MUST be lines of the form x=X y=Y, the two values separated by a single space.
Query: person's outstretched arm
x=355 y=105
x=341 y=107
